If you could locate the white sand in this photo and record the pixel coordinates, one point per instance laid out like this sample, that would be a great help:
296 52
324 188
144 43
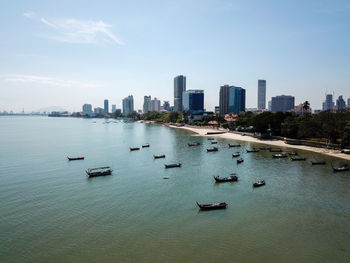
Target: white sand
276 143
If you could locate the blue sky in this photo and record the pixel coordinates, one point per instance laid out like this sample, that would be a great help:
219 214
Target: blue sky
66 53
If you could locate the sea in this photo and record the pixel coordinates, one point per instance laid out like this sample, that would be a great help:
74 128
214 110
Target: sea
50 211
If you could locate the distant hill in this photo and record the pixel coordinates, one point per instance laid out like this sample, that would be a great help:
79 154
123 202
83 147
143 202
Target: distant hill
51 109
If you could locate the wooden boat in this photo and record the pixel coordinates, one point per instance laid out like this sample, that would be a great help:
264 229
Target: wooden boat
318 162
280 155
259 183
173 165
292 153
298 159
194 144
210 139
252 151
75 158
159 156
240 160
134 148
212 206
344 168
275 150
234 145
165 177
231 178
99 171
234 155
145 145
214 149
214 142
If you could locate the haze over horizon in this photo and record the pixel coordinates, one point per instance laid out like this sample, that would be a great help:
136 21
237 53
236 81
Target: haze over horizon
69 53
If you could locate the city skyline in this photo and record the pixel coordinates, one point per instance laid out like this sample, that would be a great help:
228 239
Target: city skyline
113 50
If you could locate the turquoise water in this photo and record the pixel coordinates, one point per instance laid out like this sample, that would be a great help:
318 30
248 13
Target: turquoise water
51 212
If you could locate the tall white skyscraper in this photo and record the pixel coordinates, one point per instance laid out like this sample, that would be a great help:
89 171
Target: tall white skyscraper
147 104
128 105
261 94
114 108
155 104
179 88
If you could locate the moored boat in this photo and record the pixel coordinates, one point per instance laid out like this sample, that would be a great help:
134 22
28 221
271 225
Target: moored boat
259 183
292 153
318 162
237 154
240 160
298 159
134 148
252 151
99 171
275 150
231 178
75 158
194 144
210 139
213 149
280 155
214 142
343 168
212 206
233 145
145 145
173 165
159 156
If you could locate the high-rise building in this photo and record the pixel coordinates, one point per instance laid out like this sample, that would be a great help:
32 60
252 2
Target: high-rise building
155 104
261 94
166 106
193 101
98 111
106 107
269 105
179 88
128 105
114 108
232 99
87 109
282 103
328 104
216 109
348 105
341 103
147 104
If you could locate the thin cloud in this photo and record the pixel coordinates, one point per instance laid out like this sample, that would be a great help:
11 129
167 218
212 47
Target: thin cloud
48 81
79 31
29 15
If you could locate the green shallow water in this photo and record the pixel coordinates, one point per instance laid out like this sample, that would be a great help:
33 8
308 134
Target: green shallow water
50 211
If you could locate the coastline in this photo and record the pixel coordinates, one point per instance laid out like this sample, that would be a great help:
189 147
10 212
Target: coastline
276 143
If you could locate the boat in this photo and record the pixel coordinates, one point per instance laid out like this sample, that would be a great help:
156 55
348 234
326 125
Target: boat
298 159
212 206
318 162
214 142
240 160
134 148
263 148
214 149
259 183
99 171
173 165
194 144
233 145
343 168
292 153
275 150
234 155
280 155
252 151
165 177
231 178
145 145
210 139
75 158
159 156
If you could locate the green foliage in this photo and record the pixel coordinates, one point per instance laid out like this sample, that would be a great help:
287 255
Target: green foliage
346 135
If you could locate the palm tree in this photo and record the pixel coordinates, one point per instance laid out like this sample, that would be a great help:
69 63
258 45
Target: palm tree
306 106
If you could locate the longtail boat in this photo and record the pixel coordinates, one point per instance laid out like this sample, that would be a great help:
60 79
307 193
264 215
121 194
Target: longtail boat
210 139
233 145
252 151
298 159
237 154
292 153
134 148
280 155
145 145
259 183
159 156
344 168
75 158
99 171
212 206
214 142
240 160
318 162
214 149
173 165
231 178
194 144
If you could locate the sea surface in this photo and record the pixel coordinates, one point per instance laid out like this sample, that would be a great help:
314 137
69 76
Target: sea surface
51 212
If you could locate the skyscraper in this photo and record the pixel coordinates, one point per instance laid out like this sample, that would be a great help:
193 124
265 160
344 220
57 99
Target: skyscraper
282 103
128 105
328 104
193 101
106 107
341 103
348 103
179 88
155 104
114 108
166 105
87 109
147 104
261 94
232 99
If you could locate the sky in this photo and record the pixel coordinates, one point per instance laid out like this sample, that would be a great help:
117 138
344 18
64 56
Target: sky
66 53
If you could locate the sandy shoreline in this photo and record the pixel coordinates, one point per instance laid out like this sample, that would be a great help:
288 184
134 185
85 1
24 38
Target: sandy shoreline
276 143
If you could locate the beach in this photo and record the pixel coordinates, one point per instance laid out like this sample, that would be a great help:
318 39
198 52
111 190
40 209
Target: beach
276 143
